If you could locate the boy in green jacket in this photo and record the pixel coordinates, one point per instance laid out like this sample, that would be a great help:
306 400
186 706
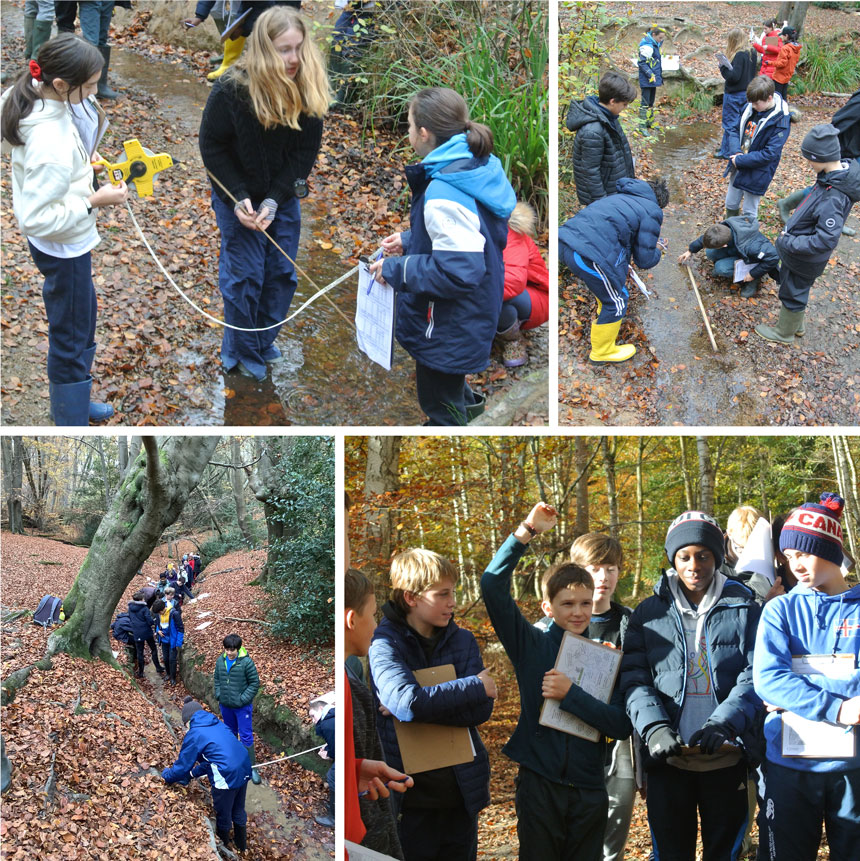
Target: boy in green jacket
236 685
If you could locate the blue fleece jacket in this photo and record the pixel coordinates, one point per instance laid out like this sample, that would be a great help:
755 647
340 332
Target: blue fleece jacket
806 622
450 279
555 755
210 748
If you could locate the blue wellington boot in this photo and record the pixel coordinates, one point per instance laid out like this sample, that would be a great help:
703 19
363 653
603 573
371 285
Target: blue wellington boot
98 412
70 403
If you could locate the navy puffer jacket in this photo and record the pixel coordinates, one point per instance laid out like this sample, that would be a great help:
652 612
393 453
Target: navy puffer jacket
141 620
757 166
601 154
612 230
451 278
394 654
654 667
650 62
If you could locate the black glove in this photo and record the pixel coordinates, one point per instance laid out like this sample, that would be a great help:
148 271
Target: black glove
711 737
664 742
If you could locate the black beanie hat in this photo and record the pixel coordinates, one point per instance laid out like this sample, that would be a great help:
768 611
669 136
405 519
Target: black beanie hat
821 143
814 528
695 527
190 706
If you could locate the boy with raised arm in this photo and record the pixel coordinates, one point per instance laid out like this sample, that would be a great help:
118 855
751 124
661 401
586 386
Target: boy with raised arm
561 797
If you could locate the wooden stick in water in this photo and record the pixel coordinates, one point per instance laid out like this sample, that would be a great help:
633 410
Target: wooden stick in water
702 309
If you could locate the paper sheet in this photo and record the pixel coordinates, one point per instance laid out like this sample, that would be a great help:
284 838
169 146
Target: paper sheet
742 269
819 739
374 319
671 62
204 625
594 668
757 554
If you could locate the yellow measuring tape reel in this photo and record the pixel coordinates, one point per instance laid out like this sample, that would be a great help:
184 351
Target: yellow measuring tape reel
140 167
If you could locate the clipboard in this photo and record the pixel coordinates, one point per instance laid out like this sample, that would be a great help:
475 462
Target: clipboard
230 29
425 746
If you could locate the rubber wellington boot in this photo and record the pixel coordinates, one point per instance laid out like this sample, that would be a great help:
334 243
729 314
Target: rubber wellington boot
232 52
28 37
801 329
514 349
240 836
41 34
98 412
104 91
255 776
787 204
70 403
731 213
785 329
603 346
643 121
750 288
475 409
224 836
848 231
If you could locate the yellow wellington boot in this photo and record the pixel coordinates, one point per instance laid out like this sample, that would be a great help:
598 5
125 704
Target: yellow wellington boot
603 346
232 51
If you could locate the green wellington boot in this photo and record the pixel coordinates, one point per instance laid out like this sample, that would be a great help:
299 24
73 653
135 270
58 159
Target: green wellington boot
41 34
789 203
731 213
801 329
785 329
28 37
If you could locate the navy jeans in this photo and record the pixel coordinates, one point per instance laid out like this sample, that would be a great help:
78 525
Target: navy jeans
229 807
95 21
723 260
257 282
443 397
733 107
71 308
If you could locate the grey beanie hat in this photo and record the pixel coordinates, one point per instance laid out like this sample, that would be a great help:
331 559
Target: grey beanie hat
822 143
189 707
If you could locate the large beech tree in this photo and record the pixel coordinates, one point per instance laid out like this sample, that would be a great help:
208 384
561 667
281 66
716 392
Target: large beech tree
153 494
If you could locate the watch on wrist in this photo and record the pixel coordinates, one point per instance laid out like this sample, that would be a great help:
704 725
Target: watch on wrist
529 528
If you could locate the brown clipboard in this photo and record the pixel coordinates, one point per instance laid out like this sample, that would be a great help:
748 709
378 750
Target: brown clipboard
424 746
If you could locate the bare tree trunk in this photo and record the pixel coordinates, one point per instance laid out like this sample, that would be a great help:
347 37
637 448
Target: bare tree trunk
640 513
381 476
847 480
608 452
238 485
122 447
151 498
794 13
706 476
100 450
581 459
13 477
688 482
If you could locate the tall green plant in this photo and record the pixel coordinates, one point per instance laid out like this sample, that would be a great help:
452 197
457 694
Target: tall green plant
827 65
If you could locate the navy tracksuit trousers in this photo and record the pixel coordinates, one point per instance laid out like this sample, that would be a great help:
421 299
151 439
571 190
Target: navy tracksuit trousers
257 282
613 299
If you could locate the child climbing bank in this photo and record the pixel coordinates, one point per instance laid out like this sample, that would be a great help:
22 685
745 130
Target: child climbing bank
51 122
448 271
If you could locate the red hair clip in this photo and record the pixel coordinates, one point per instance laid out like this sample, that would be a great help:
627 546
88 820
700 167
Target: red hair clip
35 70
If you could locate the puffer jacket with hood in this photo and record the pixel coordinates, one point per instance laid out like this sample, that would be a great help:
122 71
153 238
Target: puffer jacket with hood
756 166
807 622
749 242
141 620
601 154
52 176
611 230
236 687
814 229
847 121
450 278
654 666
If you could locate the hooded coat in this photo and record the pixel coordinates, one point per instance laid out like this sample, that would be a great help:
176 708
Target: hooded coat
601 154
612 230
450 278
785 62
756 167
769 53
806 622
750 243
140 619
395 653
814 229
210 748
236 687
650 62
847 120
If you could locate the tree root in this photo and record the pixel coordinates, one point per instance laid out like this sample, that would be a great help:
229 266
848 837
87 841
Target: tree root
217 846
13 683
50 787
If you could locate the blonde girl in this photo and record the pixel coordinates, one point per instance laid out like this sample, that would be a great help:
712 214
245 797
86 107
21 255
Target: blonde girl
744 65
260 136
47 116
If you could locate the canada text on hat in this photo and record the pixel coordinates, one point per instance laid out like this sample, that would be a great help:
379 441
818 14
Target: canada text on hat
813 523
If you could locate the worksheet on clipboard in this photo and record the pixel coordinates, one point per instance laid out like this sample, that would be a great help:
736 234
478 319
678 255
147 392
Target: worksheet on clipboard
374 318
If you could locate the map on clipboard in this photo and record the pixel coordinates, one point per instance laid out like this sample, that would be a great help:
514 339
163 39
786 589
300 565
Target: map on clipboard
374 318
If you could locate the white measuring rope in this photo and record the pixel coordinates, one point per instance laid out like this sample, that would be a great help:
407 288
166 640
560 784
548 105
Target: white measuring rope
291 756
206 314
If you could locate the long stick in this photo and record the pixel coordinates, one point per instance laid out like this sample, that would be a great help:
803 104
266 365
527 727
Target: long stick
702 309
291 756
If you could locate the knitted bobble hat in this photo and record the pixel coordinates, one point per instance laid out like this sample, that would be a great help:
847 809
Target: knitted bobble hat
695 527
189 707
814 528
821 143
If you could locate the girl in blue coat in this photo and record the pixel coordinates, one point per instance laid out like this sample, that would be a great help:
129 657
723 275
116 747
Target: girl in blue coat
687 678
650 74
597 245
449 274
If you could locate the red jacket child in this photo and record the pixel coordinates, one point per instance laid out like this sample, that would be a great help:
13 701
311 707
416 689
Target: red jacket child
769 53
524 267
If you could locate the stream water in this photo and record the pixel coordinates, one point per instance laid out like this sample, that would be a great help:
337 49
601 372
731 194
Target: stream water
695 386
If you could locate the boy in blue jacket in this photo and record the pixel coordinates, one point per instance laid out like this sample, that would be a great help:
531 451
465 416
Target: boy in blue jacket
650 74
737 238
687 678
812 233
820 616
597 245
763 130
561 797
209 748
439 814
